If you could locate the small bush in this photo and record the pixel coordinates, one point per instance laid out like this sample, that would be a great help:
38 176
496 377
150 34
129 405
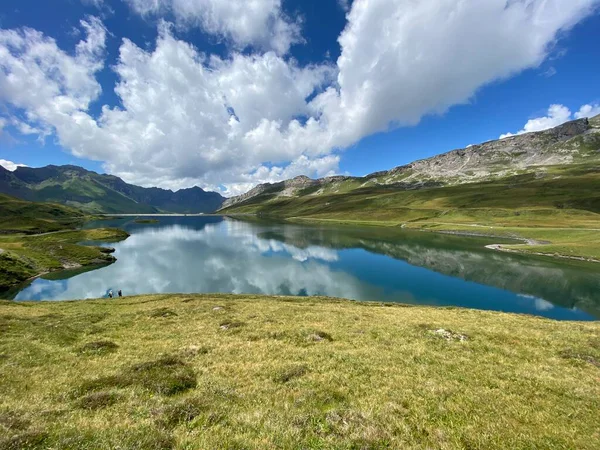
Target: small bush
183 411
31 439
165 376
98 400
572 354
13 420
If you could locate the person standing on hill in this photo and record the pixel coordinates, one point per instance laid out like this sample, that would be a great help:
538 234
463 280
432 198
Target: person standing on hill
120 293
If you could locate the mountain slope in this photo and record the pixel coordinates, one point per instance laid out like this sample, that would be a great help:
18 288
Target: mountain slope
20 216
92 192
573 143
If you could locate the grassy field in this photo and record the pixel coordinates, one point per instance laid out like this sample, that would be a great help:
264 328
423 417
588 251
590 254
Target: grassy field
252 372
561 206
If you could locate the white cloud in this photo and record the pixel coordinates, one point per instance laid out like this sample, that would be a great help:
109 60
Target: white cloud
48 84
550 72
587 111
557 115
260 23
97 3
188 118
9 165
344 4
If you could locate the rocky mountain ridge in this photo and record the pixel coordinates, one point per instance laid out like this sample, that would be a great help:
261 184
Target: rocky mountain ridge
569 143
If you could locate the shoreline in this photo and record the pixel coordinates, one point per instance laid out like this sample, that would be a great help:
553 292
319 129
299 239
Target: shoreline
526 241
499 248
43 254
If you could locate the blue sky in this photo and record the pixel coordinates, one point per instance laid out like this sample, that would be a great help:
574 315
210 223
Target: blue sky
218 96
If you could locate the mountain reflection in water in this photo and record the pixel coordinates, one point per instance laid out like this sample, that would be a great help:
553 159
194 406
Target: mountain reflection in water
212 254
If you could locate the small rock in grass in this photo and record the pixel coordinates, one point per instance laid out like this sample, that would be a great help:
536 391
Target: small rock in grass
230 325
450 335
319 336
162 312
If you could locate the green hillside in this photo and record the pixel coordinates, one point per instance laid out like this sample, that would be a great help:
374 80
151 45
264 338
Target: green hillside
569 193
38 238
19 216
520 206
96 193
541 188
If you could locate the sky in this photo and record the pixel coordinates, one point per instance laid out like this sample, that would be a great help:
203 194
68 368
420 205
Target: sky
228 94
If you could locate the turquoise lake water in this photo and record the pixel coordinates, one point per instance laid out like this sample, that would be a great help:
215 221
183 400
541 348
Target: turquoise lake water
214 254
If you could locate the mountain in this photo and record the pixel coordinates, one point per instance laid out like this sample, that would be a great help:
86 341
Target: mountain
570 144
92 192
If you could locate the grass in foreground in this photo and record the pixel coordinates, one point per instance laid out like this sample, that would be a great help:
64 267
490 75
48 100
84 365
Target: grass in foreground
222 371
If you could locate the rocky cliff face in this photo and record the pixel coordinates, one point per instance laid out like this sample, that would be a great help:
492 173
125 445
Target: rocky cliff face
561 145
572 142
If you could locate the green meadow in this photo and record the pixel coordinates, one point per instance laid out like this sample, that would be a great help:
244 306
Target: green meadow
254 372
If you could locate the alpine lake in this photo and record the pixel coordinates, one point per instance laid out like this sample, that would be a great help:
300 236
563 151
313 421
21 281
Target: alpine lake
212 254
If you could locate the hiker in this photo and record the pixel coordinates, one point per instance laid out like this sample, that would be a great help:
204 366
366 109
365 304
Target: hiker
110 294
120 293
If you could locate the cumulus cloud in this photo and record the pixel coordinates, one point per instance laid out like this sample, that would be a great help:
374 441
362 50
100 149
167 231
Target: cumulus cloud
557 115
187 118
49 85
260 23
9 165
588 111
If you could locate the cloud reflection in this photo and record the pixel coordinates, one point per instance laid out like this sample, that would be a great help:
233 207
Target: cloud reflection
224 257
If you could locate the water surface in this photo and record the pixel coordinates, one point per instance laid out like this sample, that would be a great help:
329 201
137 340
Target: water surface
214 254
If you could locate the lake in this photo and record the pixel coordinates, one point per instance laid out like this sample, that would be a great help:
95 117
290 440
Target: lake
216 254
